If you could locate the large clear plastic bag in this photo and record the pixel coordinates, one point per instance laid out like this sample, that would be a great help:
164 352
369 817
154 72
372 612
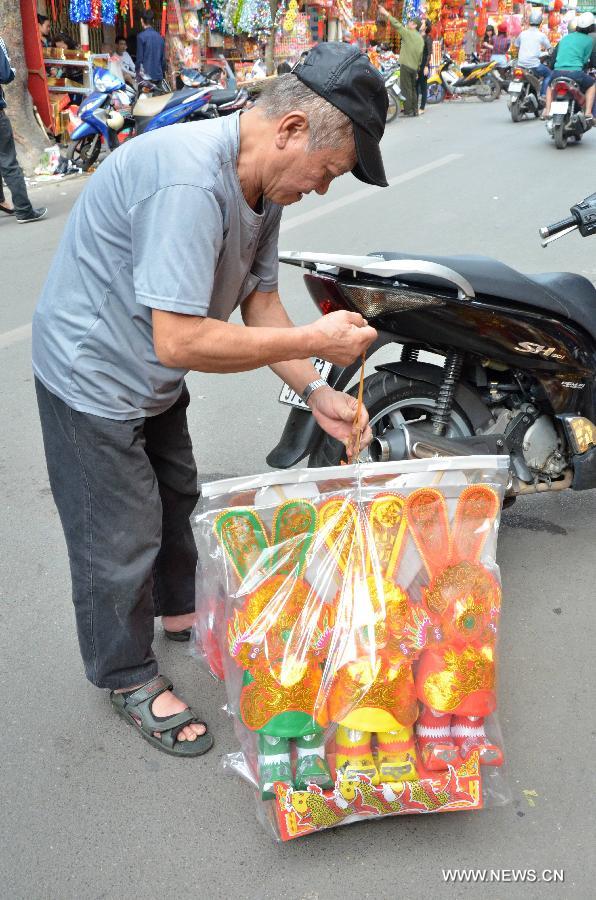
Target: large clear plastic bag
353 614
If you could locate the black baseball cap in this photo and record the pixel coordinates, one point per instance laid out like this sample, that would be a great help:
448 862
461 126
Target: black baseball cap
346 78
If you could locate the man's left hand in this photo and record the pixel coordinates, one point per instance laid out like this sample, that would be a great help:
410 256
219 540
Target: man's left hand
335 413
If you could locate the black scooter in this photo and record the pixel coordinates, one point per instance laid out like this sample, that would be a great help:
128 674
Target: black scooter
524 94
518 370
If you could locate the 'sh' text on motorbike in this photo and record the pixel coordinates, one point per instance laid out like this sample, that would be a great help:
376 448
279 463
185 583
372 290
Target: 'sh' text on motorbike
518 375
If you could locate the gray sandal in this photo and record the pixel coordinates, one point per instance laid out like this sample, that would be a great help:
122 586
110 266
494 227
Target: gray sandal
138 703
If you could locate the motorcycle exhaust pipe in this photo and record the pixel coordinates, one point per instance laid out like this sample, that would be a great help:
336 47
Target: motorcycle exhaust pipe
411 443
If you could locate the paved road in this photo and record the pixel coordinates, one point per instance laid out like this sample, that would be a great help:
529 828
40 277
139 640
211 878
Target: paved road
89 811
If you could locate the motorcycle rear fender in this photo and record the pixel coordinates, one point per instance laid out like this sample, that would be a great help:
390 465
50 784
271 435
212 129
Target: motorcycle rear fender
302 435
83 130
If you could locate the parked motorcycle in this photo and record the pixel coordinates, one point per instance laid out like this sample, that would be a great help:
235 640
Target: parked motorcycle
394 93
567 118
114 107
519 369
474 79
524 94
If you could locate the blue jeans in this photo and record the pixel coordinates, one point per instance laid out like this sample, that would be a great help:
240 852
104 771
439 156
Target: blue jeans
584 80
125 492
545 73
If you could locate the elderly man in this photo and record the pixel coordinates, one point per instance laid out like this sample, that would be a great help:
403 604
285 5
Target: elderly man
176 230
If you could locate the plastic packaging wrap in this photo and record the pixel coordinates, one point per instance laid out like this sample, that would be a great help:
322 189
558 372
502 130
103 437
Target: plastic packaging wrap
353 614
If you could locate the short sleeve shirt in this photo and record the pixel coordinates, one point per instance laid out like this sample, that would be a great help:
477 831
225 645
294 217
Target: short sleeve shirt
163 224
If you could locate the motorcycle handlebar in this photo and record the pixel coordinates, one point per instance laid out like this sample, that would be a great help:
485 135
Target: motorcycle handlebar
550 230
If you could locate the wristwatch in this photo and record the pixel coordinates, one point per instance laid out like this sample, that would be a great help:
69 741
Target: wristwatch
311 388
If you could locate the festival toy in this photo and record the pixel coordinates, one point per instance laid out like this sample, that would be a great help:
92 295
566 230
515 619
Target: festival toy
457 626
373 689
276 638
352 613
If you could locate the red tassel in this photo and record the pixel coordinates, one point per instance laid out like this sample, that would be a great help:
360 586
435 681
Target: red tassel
132 18
164 7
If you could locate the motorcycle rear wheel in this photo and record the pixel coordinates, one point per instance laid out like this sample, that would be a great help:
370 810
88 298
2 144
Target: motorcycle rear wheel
84 153
393 108
436 93
516 113
560 136
390 403
494 89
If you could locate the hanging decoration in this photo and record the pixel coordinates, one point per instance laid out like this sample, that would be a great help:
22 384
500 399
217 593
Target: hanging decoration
79 10
217 15
411 10
255 19
290 16
108 12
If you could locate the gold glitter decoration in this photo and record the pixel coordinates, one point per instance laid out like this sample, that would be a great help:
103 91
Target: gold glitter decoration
338 519
478 505
243 537
293 530
265 698
428 521
357 686
463 587
388 525
464 673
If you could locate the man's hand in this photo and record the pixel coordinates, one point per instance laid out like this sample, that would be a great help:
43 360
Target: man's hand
341 337
381 11
335 412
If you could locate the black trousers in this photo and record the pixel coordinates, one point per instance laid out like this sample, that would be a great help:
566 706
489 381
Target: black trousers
407 83
422 88
10 170
125 492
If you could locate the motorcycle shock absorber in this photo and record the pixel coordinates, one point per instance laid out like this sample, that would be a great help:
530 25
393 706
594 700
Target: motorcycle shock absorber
409 353
451 373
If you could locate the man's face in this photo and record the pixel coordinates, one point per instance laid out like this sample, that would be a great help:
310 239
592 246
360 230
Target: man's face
412 25
296 170
120 47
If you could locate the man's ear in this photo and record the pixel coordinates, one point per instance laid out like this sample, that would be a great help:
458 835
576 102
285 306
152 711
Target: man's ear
291 126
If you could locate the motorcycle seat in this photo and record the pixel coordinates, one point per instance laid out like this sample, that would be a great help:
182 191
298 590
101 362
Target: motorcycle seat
469 67
147 106
563 294
220 98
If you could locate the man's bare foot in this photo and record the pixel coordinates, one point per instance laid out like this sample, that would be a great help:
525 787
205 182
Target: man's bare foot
167 704
178 623
7 206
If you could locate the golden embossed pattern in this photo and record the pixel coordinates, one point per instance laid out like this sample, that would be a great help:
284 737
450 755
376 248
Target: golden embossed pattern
471 670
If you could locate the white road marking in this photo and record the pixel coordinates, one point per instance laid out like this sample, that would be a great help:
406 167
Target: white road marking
20 334
366 192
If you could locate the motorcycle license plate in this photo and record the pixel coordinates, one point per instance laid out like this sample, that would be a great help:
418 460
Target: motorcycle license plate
515 87
291 398
559 107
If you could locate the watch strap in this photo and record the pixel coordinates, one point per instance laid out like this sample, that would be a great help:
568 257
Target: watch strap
311 388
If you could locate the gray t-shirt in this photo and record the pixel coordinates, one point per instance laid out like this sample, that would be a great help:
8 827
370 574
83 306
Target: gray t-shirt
163 224
531 42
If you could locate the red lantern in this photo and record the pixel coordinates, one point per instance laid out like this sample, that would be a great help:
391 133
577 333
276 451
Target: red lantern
558 5
553 19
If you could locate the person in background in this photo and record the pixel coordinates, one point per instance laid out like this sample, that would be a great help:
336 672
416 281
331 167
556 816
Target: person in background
125 59
44 25
63 41
531 43
151 60
487 44
573 54
410 57
422 82
501 45
10 170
